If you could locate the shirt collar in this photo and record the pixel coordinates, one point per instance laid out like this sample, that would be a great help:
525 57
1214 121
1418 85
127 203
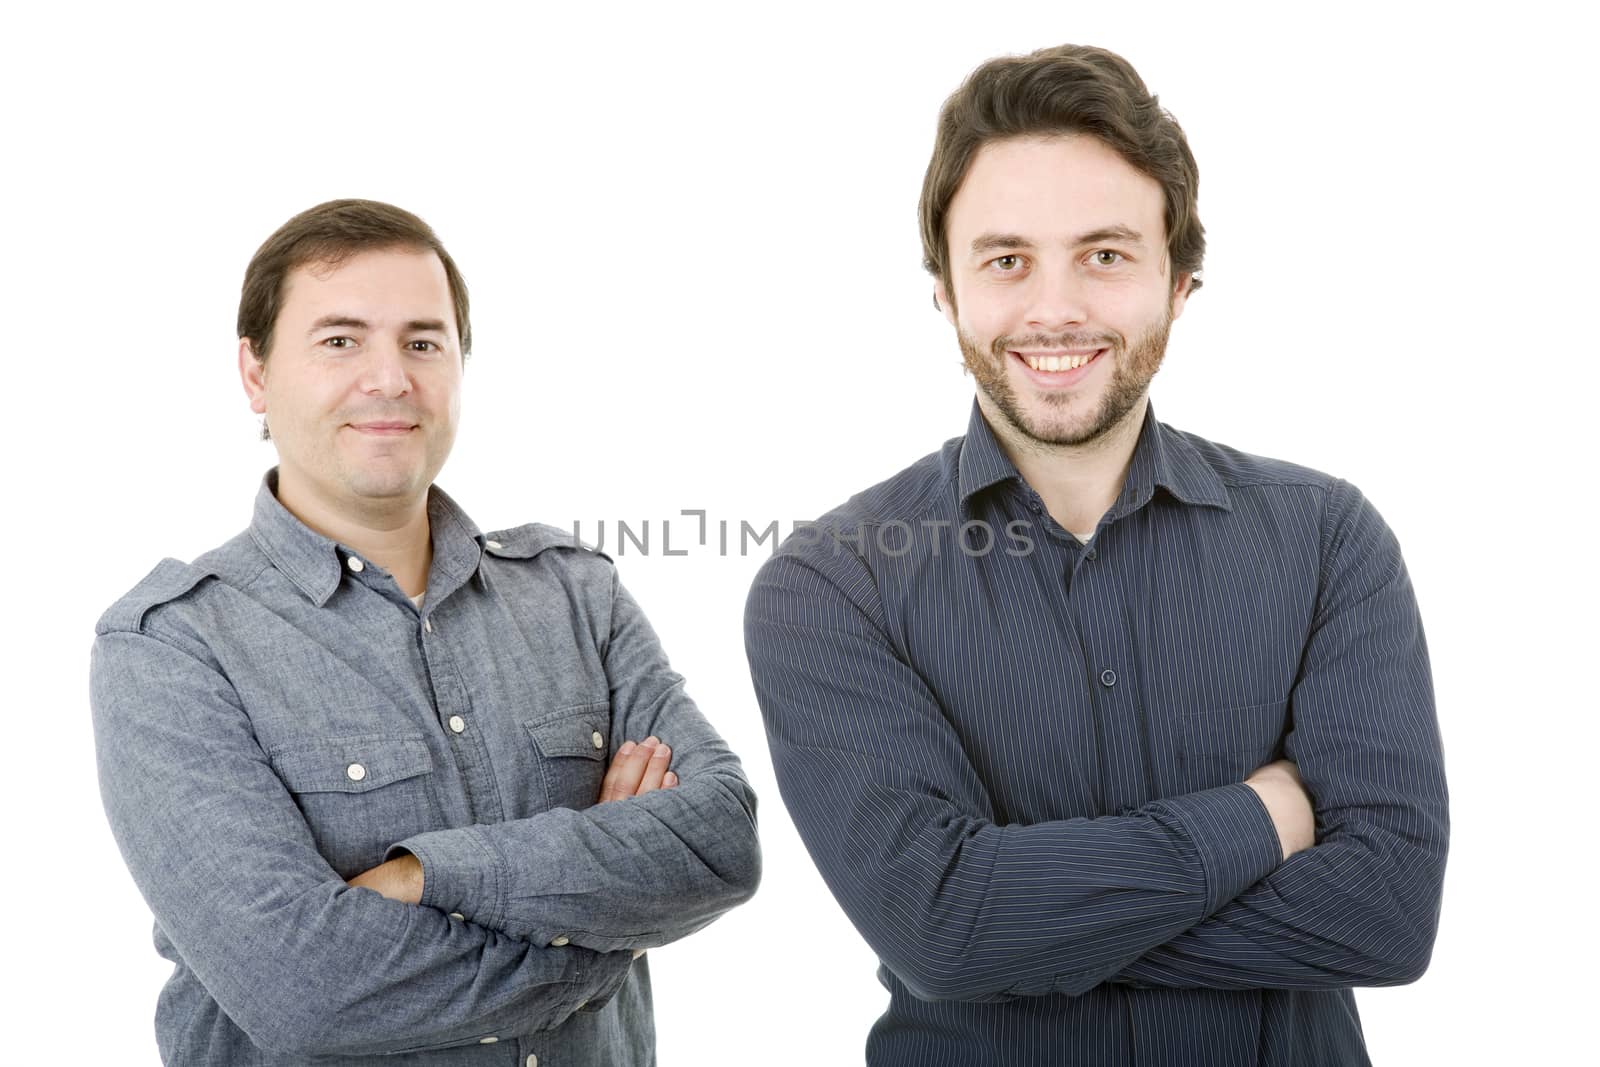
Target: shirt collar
1162 456
315 564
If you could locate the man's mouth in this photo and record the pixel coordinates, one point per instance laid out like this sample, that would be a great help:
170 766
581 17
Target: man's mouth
1057 362
388 429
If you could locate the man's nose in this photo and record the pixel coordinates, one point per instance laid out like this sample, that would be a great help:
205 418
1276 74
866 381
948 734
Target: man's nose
385 372
1057 299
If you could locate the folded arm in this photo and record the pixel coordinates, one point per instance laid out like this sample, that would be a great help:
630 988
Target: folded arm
301 962
1362 906
898 822
633 874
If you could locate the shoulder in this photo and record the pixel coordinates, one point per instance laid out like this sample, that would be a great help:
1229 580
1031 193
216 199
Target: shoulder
1241 470
547 547
1334 508
171 580
534 539
828 557
905 497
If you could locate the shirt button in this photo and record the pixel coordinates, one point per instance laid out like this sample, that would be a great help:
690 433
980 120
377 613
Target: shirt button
427 626
458 916
581 1004
1108 678
487 1040
494 544
533 1061
355 772
560 942
356 565
457 724
597 740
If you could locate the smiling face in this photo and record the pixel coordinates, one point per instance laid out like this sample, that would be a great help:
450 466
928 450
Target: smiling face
1062 293
362 386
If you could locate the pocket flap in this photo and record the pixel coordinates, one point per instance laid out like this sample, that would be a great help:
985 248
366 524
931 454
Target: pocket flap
581 730
350 764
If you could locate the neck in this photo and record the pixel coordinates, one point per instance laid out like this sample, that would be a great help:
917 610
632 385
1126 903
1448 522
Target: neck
1078 483
393 533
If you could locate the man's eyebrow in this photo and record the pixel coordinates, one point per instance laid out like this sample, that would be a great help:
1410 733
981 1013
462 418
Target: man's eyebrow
988 242
1110 233
338 320
353 323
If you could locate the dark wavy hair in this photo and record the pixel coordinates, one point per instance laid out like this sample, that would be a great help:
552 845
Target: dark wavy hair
331 233
1069 89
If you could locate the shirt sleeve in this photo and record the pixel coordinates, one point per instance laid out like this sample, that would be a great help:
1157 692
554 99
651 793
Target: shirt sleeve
897 820
627 874
1361 907
301 962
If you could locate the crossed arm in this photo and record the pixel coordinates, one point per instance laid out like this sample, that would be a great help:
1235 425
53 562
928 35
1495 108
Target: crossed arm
306 964
1222 887
636 872
636 769
299 961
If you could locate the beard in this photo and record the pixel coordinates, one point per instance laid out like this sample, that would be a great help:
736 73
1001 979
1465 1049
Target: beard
1132 369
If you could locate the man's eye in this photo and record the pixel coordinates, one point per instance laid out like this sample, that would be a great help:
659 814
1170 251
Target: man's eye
424 346
1107 258
339 342
1008 263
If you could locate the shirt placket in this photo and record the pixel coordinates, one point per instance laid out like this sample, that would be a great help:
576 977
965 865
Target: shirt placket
1098 599
463 733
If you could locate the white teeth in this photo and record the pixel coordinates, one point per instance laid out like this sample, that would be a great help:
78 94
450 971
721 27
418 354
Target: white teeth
1057 363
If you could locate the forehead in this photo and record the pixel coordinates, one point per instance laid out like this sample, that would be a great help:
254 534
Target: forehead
397 283
1049 187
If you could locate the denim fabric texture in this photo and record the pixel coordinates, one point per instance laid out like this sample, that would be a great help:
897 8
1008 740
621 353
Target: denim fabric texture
278 716
1017 758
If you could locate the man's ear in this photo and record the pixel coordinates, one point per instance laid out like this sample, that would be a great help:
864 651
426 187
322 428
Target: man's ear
1180 293
941 300
253 375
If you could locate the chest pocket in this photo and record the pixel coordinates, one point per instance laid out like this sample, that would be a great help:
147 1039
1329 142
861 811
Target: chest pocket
1223 746
574 744
359 794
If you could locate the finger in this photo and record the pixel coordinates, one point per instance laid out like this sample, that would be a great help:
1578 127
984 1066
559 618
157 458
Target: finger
608 783
626 770
669 780
657 770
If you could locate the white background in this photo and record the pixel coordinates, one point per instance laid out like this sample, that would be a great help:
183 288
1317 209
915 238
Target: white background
691 241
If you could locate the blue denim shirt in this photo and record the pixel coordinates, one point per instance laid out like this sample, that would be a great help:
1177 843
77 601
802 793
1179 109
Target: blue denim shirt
1017 760
277 716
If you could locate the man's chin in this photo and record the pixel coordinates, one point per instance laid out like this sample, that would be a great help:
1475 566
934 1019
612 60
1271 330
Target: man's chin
386 485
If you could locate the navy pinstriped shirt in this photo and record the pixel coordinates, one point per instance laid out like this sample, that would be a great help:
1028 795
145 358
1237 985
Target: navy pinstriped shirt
1017 760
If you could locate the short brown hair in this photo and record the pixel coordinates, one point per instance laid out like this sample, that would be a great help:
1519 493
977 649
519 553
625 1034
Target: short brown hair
1069 89
331 233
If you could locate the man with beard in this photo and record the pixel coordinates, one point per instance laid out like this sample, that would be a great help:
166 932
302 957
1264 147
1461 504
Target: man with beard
1117 745
397 790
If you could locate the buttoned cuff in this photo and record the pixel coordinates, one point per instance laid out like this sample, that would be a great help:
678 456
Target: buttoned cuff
461 874
1233 836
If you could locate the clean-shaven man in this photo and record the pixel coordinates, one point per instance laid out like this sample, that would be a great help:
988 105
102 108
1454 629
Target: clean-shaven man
1117 745
397 790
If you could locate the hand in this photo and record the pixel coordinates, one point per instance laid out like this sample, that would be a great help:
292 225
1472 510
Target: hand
1281 790
637 770
398 879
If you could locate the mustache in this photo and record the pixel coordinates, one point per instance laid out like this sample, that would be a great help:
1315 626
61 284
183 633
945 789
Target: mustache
1057 340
